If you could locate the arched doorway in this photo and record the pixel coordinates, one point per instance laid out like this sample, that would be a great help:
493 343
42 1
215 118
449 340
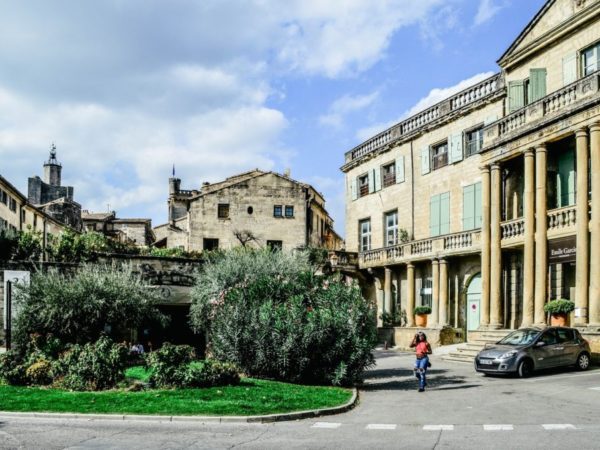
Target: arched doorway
474 303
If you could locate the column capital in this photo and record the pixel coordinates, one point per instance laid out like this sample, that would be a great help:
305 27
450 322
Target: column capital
410 265
485 168
540 148
495 166
529 152
434 261
595 127
442 261
581 132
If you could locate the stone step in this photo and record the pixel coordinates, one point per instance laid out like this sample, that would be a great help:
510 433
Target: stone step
458 357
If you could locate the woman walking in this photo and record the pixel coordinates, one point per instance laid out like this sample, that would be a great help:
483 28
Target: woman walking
422 349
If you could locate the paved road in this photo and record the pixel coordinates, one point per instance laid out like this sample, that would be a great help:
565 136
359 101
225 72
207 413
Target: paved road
460 409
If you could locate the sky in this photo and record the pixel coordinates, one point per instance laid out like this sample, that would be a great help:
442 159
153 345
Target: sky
128 88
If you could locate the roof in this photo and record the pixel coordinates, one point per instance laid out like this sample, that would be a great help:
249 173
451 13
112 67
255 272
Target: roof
145 221
96 216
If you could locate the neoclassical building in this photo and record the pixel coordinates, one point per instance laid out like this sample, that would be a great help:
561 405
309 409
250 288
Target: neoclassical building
487 205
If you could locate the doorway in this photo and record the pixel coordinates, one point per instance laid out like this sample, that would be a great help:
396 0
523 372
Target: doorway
474 303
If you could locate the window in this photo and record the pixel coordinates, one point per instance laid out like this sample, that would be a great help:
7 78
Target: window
250 210
364 231
439 155
363 185
524 92
275 245
566 179
439 214
590 60
3 197
391 228
223 211
277 211
289 211
426 291
472 207
13 204
210 244
34 220
23 216
389 174
473 141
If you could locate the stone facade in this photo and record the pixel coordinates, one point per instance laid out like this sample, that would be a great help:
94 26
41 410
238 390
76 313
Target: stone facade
132 231
255 209
477 230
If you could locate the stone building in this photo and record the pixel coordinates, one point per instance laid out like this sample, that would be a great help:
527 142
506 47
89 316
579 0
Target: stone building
128 231
487 204
53 198
18 214
255 209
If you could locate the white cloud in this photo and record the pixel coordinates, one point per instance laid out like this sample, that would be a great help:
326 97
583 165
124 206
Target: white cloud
436 95
487 10
346 105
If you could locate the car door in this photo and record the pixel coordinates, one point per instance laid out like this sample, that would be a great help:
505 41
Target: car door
566 340
547 352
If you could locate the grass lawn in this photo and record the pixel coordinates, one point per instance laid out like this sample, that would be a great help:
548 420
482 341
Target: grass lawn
250 397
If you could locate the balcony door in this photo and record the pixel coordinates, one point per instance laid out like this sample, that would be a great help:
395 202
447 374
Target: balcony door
474 303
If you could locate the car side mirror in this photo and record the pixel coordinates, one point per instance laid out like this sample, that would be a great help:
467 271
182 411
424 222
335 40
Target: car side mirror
540 344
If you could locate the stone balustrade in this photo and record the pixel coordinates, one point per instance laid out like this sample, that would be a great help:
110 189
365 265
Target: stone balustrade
439 111
458 241
512 229
561 218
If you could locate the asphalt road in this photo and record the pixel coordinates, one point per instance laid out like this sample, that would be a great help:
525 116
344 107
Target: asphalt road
460 409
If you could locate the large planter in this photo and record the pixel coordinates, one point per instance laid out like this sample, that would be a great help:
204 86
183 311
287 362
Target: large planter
558 320
421 320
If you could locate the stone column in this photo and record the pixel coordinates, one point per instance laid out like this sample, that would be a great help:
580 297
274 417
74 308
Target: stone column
485 247
541 238
594 299
582 221
529 246
435 293
410 291
443 308
387 291
495 249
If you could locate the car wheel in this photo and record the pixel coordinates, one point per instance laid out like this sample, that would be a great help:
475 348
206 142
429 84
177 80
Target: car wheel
583 361
525 368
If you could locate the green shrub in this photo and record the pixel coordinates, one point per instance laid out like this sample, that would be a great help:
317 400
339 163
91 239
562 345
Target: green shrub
271 315
75 308
422 310
40 372
91 367
12 368
9 241
168 365
560 306
211 373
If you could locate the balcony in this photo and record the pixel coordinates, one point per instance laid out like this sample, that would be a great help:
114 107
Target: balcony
435 113
463 243
561 222
579 94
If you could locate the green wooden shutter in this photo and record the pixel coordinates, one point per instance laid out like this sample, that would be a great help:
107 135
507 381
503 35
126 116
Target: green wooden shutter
566 178
354 188
469 207
434 216
569 69
445 213
456 148
537 82
371 179
516 95
478 205
400 169
377 177
425 161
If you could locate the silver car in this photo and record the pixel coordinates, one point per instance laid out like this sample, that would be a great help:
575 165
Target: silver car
529 349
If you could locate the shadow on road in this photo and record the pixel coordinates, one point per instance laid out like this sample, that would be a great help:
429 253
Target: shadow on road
404 379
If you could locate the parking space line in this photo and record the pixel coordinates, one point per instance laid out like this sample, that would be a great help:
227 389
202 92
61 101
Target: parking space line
499 427
595 389
551 378
381 426
329 425
558 426
438 427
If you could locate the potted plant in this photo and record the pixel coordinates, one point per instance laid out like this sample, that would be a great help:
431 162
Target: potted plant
558 310
421 313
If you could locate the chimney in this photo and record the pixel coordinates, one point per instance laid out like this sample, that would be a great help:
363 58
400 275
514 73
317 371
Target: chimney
287 172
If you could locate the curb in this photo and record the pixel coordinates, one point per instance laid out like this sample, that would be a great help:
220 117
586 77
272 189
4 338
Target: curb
269 418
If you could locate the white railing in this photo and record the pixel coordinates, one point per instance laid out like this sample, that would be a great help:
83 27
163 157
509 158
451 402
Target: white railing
561 218
458 241
511 229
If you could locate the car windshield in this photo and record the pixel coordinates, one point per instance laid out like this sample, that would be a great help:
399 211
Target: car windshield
520 337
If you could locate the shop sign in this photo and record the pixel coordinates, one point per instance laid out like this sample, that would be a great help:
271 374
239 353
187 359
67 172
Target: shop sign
562 250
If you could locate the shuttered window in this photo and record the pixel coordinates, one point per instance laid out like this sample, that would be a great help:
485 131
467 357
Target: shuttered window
590 60
364 235
439 214
400 169
537 84
516 95
472 207
569 69
566 178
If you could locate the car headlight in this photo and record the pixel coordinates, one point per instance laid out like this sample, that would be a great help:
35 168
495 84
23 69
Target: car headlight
508 355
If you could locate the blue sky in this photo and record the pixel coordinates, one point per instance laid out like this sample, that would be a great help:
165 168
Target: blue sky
127 88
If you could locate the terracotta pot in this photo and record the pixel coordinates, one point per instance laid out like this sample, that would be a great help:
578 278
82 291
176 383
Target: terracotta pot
558 320
421 320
